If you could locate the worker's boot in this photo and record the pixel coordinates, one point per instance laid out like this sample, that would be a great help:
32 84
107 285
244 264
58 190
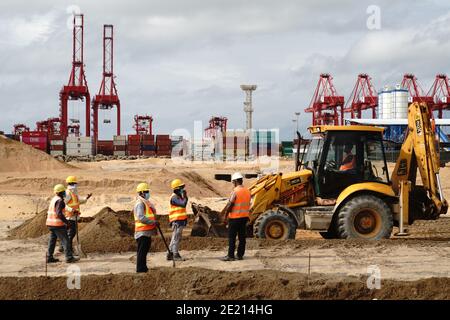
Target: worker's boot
177 257
169 256
52 260
227 258
72 260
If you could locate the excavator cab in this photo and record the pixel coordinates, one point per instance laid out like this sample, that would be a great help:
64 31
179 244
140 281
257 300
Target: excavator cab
341 156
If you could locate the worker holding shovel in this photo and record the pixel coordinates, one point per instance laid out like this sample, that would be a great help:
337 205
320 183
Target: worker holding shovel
145 225
72 213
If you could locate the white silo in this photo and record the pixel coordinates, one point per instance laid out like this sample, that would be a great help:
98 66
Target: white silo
400 103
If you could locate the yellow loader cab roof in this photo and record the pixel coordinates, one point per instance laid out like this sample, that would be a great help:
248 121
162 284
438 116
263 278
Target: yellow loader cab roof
325 128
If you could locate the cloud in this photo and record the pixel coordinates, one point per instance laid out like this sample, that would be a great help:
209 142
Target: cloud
184 60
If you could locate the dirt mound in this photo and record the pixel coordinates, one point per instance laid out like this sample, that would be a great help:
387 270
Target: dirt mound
16 156
197 283
31 228
113 232
110 231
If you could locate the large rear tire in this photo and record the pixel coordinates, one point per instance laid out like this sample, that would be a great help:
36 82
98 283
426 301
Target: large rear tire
365 217
275 225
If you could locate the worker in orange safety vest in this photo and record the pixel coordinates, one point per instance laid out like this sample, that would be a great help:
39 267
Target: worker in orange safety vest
177 218
72 212
57 225
145 225
349 161
237 212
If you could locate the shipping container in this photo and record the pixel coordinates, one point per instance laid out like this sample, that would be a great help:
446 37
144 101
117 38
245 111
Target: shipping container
133 152
148 153
72 139
56 147
148 148
120 148
120 138
56 152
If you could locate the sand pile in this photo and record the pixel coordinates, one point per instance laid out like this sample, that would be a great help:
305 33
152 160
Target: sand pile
16 156
197 283
31 228
35 227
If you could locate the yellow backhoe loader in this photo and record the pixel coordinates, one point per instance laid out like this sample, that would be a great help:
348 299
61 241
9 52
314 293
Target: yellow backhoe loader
341 186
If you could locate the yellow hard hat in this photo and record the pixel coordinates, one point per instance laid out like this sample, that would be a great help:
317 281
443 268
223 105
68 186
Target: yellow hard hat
176 183
71 179
142 187
59 188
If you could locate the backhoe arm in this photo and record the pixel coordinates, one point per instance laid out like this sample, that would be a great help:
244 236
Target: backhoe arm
419 151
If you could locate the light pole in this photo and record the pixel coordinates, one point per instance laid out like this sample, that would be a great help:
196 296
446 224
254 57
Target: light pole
296 127
297 114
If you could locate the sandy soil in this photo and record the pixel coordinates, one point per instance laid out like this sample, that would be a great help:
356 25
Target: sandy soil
339 269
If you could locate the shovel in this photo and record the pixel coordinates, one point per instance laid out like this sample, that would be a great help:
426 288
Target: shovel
79 250
165 242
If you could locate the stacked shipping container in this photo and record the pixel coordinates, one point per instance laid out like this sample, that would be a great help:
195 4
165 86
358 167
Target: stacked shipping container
56 145
134 145
105 147
79 146
163 145
148 145
120 145
36 139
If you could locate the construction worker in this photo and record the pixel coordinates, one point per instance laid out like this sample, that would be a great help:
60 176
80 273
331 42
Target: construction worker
237 212
177 218
349 161
144 225
73 202
57 225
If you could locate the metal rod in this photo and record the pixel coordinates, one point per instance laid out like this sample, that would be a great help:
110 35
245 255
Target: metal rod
165 243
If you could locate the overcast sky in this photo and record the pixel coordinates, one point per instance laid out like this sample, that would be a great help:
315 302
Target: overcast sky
183 60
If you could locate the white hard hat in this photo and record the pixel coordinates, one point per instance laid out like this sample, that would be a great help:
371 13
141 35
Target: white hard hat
236 176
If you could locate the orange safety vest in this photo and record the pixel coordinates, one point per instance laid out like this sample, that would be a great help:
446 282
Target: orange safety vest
74 203
52 217
176 213
348 165
241 205
138 225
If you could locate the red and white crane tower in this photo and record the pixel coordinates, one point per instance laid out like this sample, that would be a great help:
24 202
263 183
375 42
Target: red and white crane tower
19 128
363 97
216 124
143 124
107 97
440 93
77 88
416 92
326 105
52 126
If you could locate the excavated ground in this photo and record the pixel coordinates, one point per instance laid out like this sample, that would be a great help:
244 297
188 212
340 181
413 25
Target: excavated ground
196 283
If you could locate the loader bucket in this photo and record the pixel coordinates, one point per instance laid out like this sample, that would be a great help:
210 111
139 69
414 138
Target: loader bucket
208 223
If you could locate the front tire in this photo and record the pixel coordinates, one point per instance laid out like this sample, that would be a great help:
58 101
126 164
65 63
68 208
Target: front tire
365 217
274 225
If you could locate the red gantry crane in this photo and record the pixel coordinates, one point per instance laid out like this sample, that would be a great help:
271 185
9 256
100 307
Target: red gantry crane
216 124
107 97
416 92
19 128
143 124
325 103
77 88
363 97
440 93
